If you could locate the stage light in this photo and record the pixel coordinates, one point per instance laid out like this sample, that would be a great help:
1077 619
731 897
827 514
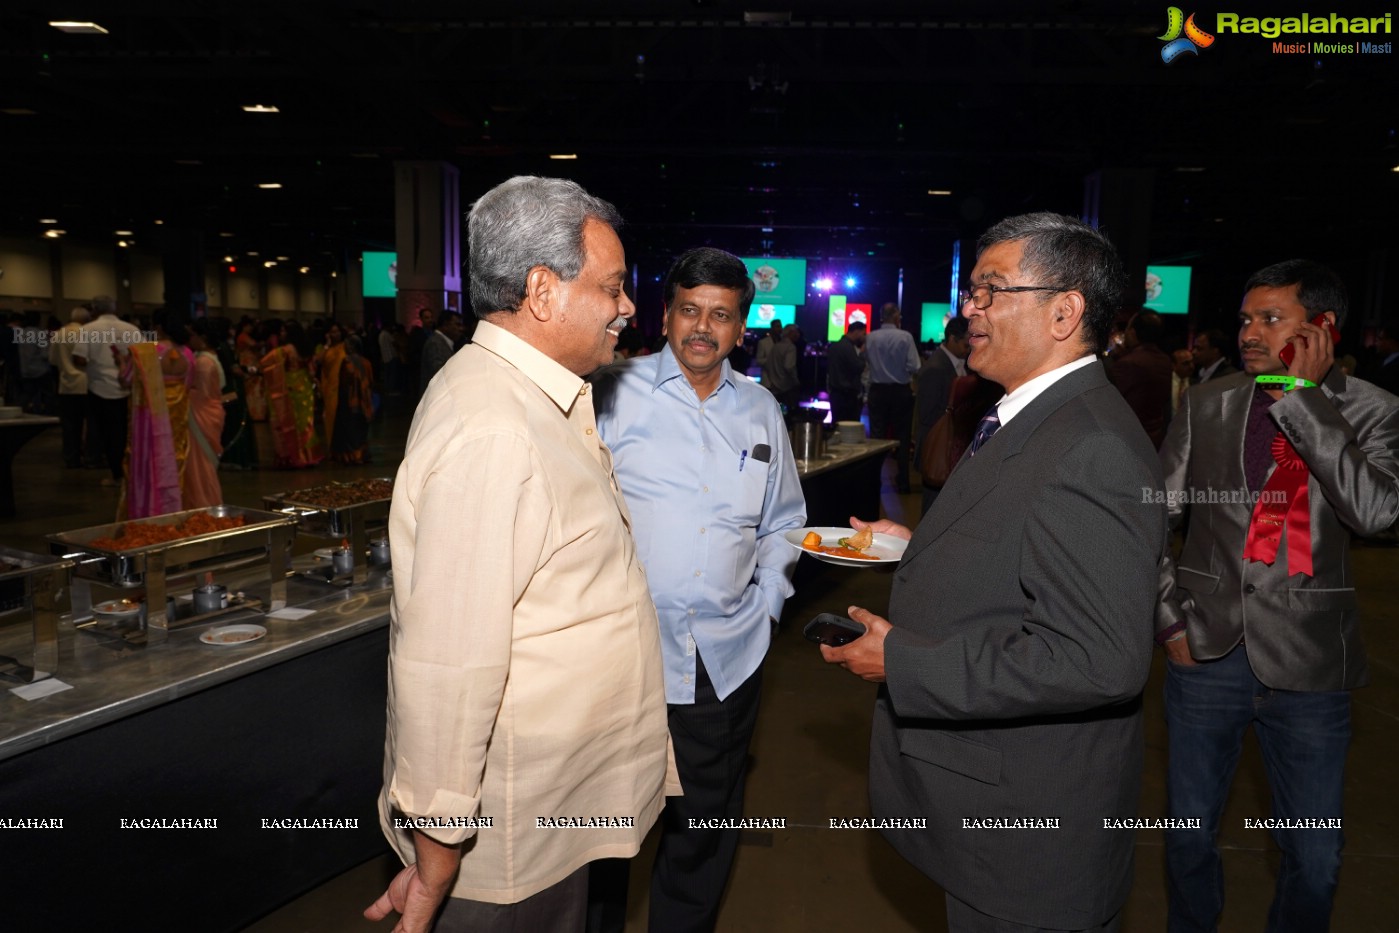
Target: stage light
850 281
823 284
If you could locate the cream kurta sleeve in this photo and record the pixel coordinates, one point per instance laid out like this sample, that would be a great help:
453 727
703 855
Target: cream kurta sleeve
477 543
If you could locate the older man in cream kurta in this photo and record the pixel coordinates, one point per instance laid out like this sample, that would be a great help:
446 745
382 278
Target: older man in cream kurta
527 719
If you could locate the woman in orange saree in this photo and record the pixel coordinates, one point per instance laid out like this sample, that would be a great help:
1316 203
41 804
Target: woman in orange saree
328 363
200 484
254 392
354 405
291 400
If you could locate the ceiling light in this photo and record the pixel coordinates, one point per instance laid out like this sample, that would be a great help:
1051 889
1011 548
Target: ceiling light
253 252
940 192
50 220
158 222
270 184
225 234
563 155
260 108
1395 169
305 269
269 264
18 111
54 234
121 232
228 259
283 258
63 25
121 243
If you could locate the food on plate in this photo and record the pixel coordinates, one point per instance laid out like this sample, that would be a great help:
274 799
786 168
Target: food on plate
812 542
859 540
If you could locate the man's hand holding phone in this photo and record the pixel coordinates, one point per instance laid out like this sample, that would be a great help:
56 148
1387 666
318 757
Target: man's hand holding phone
863 657
1310 352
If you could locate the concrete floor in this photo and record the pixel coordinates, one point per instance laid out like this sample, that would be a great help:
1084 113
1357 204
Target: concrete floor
809 754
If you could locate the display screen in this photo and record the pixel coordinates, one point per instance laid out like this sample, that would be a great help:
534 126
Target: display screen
842 314
1168 289
935 318
760 317
777 281
380 275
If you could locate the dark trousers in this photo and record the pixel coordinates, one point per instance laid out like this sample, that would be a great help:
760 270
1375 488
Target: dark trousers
72 415
891 415
711 752
1304 737
964 918
109 415
559 908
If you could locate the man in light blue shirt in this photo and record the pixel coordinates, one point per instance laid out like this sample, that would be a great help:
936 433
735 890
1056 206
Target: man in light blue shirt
892 355
707 471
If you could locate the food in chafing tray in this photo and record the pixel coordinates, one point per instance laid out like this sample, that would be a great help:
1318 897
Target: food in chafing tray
852 546
342 495
143 534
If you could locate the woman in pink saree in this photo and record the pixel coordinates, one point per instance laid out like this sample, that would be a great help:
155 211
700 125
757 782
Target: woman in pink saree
157 446
206 414
291 400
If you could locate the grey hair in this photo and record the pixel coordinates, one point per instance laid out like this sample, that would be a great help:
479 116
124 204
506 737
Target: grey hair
526 222
1066 253
104 304
79 315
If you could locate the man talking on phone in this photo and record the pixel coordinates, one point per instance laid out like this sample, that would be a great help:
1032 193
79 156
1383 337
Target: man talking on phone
1277 466
707 471
1010 716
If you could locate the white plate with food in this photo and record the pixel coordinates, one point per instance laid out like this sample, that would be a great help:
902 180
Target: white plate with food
846 546
227 635
115 610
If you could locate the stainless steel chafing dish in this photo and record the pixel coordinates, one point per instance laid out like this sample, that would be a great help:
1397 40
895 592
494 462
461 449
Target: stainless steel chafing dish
35 586
350 522
264 539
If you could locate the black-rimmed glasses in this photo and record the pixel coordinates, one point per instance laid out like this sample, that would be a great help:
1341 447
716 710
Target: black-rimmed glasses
982 295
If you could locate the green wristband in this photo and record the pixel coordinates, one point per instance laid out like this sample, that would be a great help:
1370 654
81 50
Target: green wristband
1288 383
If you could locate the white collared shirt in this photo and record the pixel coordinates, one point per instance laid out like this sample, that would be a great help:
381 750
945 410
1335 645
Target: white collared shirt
1011 404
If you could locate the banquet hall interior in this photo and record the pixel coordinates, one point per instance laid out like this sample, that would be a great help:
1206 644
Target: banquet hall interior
254 160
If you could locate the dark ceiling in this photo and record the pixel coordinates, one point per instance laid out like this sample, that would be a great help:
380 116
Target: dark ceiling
811 129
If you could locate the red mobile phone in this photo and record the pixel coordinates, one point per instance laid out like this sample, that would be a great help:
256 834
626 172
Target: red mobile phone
1290 351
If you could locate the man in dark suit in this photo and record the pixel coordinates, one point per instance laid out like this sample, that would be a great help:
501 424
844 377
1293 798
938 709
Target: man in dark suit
1259 615
1210 361
1010 716
934 393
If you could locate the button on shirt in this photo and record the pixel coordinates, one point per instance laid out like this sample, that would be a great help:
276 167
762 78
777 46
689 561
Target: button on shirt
707 513
892 355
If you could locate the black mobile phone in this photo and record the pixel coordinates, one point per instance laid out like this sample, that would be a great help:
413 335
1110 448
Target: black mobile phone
833 630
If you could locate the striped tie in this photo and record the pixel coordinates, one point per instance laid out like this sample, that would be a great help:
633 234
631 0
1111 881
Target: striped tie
990 423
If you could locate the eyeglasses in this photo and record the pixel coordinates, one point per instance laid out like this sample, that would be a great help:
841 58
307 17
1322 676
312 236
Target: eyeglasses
982 295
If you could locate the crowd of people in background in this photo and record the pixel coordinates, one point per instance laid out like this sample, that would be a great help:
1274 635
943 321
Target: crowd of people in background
162 403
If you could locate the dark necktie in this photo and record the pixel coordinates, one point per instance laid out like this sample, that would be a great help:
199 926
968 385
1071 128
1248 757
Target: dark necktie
990 423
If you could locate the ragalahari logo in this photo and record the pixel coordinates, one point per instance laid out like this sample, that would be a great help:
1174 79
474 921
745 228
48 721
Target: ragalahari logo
1176 44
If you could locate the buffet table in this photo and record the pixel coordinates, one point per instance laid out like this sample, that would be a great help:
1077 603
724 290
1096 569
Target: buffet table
844 482
164 785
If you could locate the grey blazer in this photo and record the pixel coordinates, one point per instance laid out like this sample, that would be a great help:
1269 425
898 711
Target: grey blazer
1023 613
1302 632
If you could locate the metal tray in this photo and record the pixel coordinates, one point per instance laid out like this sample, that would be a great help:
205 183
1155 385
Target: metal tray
255 521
